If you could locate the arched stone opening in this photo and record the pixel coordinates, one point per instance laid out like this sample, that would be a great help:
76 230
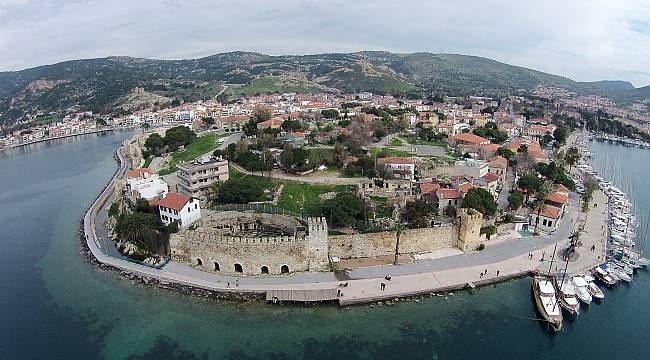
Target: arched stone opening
216 266
239 268
284 269
265 269
199 262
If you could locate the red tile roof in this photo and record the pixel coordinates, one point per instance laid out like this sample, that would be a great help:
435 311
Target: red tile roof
549 212
174 201
490 147
448 194
498 161
471 138
465 188
490 177
557 198
429 188
139 172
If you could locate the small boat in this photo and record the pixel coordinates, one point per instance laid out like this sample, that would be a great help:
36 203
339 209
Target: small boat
604 276
567 295
620 273
582 290
547 303
595 291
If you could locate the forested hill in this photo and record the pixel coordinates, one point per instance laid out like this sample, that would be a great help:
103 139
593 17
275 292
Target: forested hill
99 84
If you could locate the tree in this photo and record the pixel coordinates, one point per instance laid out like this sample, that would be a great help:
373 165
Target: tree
546 139
154 143
343 210
142 205
481 200
525 163
176 102
262 113
488 231
490 131
178 136
506 153
516 200
541 194
240 191
531 183
560 134
416 212
572 156
330 113
208 121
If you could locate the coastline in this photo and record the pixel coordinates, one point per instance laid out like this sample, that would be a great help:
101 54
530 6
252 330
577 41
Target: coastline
96 131
363 288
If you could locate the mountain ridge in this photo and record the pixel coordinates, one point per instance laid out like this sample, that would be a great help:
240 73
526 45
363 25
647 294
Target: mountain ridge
97 83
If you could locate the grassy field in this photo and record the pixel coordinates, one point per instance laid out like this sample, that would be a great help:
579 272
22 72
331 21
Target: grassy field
294 193
390 152
201 145
396 142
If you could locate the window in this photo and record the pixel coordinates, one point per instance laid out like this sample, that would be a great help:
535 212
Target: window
239 268
550 223
189 209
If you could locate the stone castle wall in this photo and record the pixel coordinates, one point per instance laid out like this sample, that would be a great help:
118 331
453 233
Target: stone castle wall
383 243
211 247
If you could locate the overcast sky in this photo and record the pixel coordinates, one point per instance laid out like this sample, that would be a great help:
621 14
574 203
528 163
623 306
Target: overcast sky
584 40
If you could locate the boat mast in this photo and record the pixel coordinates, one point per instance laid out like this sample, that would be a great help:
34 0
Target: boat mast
552 258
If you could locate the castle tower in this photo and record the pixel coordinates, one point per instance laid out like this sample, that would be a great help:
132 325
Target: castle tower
317 244
469 229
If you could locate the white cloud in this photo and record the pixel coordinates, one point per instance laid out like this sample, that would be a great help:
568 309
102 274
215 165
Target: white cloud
584 40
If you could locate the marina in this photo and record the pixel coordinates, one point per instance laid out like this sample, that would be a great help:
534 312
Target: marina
623 251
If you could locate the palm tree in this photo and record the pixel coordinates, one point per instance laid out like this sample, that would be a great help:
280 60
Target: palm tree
541 194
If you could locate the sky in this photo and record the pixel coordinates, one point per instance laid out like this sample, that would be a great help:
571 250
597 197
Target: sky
583 40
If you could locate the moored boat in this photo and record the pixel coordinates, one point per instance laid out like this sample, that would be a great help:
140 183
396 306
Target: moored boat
546 302
567 295
582 291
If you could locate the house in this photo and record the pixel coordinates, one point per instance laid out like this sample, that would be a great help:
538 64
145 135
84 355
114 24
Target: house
142 183
557 200
428 191
296 138
541 130
448 198
498 165
231 123
488 150
411 118
401 167
179 208
546 219
489 182
272 123
470 167
468 142
197 177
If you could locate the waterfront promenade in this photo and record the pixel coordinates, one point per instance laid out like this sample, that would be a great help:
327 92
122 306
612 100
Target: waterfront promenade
498 262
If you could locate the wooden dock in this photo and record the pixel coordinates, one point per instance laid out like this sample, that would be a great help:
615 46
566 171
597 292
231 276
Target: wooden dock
303 295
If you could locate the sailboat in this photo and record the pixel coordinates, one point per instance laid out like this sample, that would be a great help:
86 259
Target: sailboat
546 301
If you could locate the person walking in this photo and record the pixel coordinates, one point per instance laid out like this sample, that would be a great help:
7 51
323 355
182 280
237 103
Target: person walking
498 273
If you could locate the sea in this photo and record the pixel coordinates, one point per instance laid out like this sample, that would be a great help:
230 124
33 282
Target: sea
55 305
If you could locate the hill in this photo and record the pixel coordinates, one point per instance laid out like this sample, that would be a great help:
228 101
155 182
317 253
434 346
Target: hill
99 84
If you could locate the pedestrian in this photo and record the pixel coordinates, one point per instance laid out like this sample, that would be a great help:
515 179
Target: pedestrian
498 273
481 275
228 284
236 283
338 293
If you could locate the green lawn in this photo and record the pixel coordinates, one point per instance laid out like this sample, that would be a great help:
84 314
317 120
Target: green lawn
294 192
201 145
147 161
390 152
396 142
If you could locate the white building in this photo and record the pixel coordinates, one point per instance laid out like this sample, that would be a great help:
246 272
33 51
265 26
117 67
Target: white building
472 168
402 168
142 183
182 209
545 219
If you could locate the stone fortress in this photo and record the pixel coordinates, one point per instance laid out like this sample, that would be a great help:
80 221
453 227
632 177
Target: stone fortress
249 243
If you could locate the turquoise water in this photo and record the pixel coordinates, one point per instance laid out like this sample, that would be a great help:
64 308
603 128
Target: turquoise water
54 305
